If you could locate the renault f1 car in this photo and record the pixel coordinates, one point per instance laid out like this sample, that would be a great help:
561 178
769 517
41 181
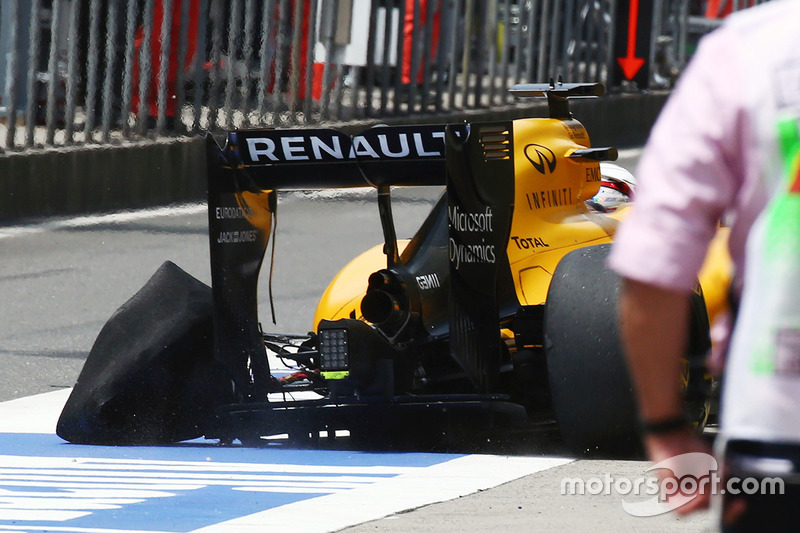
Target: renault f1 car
497 314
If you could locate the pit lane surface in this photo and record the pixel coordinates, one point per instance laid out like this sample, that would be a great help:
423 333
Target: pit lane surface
48 485
62 279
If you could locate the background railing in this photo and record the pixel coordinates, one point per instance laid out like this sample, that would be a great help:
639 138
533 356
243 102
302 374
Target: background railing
111 71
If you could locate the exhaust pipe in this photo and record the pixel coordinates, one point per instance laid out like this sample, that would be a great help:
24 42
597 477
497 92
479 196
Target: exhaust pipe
380 306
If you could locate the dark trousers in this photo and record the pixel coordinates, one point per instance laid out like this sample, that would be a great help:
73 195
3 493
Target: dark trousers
762 468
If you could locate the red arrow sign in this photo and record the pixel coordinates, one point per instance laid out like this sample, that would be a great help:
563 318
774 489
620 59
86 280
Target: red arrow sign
630 63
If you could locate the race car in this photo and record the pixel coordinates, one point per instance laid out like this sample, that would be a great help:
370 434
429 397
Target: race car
499 314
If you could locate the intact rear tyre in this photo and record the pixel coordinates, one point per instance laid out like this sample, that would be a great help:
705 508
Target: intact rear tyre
590 387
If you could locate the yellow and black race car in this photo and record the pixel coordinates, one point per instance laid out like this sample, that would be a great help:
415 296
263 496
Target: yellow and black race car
499 313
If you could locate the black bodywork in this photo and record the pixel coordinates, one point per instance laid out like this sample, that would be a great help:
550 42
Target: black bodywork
386 378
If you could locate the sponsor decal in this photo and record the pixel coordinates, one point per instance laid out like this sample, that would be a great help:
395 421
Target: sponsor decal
234 237
593 174
475 224
222 213
285 147
295 148
541 157
575 131
428 281
470 222
529 243
549 198
471 253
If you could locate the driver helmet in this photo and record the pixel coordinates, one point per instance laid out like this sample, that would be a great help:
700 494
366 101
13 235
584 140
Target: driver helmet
617 188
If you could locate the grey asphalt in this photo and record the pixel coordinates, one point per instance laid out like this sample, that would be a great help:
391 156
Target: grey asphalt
536 503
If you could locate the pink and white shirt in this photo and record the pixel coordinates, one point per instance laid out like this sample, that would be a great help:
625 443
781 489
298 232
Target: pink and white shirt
714 153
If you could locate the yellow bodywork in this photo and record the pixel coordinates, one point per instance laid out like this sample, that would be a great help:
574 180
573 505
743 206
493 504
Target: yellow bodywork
550 217
342 298
716 275
550 220
257 207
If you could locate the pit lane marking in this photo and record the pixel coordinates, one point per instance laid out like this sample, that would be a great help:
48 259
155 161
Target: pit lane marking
48 485
86 221
438 483
120 217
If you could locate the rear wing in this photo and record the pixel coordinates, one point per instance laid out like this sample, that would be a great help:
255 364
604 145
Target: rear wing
324 158
475 162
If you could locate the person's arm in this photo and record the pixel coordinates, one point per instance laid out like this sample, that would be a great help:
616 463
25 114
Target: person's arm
654 331
654 324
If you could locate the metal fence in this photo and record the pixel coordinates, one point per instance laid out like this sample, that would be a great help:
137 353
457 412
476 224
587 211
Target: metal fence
108 71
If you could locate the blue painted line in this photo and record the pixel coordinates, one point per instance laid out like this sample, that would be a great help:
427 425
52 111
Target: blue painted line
53 446
46 483
186 511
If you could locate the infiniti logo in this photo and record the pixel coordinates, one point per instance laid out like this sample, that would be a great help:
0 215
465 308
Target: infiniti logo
540 155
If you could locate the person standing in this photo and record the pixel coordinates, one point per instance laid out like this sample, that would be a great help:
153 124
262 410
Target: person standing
725 146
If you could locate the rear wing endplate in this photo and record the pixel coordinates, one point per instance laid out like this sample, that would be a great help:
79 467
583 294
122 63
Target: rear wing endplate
475 162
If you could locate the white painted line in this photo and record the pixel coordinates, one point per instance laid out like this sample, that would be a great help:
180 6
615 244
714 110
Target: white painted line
87 221
96 220
442 482
90 484
34 414
66 529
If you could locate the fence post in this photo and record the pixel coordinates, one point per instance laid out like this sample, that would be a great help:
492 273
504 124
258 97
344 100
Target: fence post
13 20
34 34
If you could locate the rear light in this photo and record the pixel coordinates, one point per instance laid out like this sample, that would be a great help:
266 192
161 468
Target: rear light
334 353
